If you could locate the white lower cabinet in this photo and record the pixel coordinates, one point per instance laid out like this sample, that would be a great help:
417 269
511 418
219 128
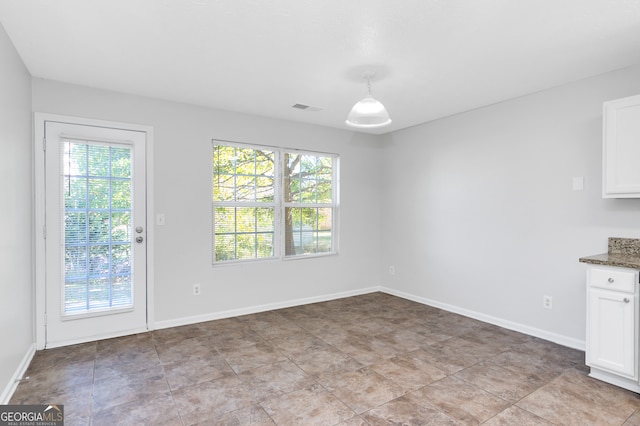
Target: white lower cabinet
612 332
612 326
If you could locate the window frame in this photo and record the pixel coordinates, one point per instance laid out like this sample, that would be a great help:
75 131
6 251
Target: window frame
279 204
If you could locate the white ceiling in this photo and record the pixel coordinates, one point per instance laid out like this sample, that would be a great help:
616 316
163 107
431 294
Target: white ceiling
433 58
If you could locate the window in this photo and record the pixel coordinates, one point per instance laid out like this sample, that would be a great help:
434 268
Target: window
272 203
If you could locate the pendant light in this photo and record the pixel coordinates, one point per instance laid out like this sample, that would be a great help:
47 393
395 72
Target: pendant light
368 113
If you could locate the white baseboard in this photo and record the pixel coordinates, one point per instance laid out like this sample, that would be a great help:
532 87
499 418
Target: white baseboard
95 337
531 331
8 391
260 308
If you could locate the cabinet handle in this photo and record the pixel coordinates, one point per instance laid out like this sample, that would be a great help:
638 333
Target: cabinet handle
611 280
626 300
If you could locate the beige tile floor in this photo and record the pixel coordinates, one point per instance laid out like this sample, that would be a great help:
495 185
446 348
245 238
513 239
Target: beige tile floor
367 360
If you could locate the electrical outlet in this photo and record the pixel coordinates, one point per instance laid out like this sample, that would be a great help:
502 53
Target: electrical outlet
392 270
547 302
196 289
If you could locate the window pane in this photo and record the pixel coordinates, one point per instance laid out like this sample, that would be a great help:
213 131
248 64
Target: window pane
265 163
75 189
245 160
264 189
324 191
308 217
225 247
265 245
307 165
223 187
120 255
75 228
121 227
308 178
291 177
74 159
99 293
292 189
121 290
325 168
308 190
99 160
75 262
265 220
98 227
98 260
75 295
98 193
324 219
243 233
121 162
324 242
245 220
121 194
224 220
245 188
246 246
223 159
308 231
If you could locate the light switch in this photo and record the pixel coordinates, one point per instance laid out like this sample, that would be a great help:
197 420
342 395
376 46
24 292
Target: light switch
578 183
160 219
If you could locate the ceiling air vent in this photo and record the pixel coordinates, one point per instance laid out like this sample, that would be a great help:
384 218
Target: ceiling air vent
306 107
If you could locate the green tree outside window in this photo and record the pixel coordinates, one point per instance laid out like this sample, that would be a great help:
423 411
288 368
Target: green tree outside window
247 202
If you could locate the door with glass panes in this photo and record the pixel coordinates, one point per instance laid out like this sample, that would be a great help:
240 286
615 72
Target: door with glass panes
95 247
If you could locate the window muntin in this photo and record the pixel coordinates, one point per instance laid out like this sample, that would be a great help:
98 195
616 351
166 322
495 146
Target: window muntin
272 203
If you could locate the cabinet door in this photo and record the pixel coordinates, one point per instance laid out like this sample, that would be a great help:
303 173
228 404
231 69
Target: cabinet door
611 332
621 148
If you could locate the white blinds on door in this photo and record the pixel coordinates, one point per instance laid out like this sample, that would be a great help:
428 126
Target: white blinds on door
96 178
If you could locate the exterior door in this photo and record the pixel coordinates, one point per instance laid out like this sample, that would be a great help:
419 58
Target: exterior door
95 232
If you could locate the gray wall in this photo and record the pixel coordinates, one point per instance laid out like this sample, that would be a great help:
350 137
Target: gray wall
182 181
480 215
16 305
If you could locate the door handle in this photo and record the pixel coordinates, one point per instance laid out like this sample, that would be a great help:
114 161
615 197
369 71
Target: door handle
139 239
139 229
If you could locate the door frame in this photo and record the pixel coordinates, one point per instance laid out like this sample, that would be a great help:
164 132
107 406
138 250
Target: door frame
40 214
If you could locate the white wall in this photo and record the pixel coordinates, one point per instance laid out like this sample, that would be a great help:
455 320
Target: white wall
16 306
481 216
182 182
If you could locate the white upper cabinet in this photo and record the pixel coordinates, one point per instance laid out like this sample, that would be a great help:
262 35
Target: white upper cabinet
621 148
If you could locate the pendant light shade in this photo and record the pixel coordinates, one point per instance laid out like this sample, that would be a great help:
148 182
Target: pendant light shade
369 113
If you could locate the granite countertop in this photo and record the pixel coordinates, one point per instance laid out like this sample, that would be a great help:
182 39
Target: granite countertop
622 252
